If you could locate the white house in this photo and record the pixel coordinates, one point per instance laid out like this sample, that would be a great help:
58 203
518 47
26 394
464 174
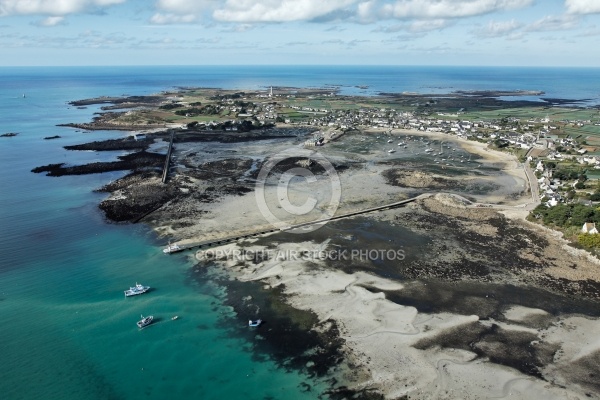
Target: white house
589 227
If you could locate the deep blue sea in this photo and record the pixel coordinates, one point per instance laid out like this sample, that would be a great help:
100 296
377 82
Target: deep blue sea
66 330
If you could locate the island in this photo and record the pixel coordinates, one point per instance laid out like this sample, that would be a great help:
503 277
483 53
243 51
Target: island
407 238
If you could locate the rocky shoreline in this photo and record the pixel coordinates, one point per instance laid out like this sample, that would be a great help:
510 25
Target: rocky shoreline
128 143
134 161
453 297
476 293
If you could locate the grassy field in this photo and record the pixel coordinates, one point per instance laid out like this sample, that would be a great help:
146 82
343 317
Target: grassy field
553 114
593 174
557 115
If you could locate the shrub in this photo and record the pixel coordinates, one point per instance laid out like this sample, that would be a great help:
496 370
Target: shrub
590 241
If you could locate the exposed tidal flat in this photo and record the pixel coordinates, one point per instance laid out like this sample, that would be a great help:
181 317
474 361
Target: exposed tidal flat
442 298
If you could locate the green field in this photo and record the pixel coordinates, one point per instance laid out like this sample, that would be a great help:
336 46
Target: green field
593 174
526 113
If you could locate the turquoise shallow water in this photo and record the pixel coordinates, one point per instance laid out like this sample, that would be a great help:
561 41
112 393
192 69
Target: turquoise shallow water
67 330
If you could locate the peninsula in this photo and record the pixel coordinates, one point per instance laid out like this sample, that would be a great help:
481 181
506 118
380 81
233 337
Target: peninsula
461 292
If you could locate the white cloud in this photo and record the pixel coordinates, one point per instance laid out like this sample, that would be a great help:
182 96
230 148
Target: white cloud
52 21
428 25
241 28
278 10
364 11
552 23
182 11
498 29
51 7
449 8
582 6
166 19
185 7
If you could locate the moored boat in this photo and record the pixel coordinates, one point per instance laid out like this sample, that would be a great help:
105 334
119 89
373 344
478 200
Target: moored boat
172 248
255 322
137 289
145 321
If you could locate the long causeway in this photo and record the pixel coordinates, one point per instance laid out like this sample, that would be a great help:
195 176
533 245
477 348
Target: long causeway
230 239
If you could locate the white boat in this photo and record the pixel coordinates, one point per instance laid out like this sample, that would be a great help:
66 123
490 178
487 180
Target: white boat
391 151
390 141
172 248
173 318
255 322
145 321
137 289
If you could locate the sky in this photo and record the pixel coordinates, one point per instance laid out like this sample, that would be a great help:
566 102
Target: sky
300 32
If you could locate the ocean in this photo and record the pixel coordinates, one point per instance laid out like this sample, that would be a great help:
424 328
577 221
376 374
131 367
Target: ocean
67 331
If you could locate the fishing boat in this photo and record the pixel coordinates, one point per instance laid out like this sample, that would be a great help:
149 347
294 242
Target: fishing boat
145 321
172 248
137 289
255 322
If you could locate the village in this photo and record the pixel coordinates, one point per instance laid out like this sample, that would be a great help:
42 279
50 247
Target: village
558 146
564 163
563 153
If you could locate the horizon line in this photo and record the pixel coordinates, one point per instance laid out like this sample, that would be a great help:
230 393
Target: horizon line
295 65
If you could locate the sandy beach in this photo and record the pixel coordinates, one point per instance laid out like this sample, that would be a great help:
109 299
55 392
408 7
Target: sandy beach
363 185
454 295
423 355
488 345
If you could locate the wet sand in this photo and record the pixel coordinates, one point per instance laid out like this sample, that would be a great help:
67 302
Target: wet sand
476 305
420 333
361 175
453 296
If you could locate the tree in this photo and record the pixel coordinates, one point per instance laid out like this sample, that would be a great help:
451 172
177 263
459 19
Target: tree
246 126
557 215
581 214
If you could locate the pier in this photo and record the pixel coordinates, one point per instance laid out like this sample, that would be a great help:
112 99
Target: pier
230 239
165 174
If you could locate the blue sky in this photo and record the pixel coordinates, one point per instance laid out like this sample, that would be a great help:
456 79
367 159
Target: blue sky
223 32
